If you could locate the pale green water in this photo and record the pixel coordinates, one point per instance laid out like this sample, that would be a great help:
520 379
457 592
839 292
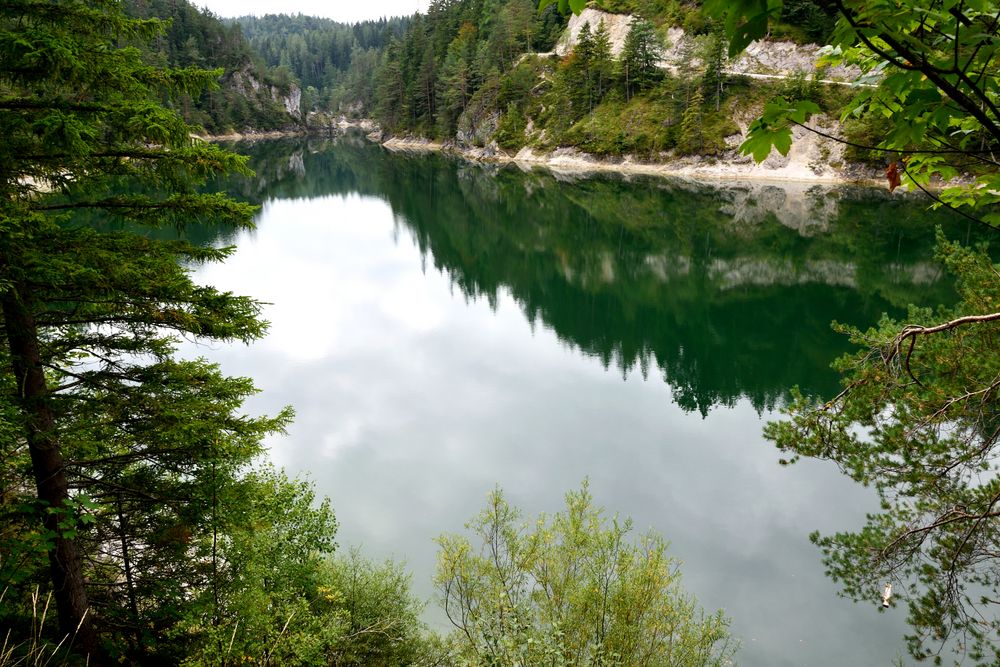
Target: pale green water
442 327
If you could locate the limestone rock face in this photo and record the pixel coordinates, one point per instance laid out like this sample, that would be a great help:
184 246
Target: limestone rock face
616 24
766 57
246 84
291 101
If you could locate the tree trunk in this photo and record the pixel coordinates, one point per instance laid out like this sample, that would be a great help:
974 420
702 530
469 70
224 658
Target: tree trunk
126 560
47 465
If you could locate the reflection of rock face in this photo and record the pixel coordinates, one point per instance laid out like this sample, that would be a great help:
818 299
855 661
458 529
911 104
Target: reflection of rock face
741 272
665 267
922 273
296 164
806 209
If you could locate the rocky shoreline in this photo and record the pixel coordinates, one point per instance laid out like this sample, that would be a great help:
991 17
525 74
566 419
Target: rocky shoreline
800 165
251 135
812 159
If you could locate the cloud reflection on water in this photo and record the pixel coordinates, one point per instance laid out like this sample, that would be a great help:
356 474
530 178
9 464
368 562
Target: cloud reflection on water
413 402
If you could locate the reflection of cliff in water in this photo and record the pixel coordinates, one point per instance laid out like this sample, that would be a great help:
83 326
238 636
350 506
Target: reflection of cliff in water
729 292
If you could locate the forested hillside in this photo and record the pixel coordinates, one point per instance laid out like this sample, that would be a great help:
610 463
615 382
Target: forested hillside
483 71
638 77
250 94
335 63
644 77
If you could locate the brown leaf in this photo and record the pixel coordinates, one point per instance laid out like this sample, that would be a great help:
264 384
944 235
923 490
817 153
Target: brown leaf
892 174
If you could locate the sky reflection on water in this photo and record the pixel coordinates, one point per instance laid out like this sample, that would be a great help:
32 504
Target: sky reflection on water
413 401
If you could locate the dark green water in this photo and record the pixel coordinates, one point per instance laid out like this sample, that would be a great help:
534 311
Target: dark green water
442 327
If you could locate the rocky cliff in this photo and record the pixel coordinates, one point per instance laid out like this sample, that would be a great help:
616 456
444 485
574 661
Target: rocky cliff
288 97
770 58
813 157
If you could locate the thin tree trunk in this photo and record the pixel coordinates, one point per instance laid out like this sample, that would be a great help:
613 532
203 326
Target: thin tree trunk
136 635
133 605
47 465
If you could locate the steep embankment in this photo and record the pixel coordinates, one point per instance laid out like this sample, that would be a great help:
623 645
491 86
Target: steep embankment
645 133
250 98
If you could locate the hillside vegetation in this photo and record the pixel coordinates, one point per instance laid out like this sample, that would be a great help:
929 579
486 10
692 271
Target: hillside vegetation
334 63
648 79
250 95
644 78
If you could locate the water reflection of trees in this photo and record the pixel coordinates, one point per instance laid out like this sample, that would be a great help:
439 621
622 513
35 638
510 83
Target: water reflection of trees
729 293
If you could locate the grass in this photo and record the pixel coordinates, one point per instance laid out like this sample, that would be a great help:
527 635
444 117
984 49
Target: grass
35 650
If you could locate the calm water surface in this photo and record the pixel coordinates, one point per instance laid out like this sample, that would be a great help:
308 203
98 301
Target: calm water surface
442 328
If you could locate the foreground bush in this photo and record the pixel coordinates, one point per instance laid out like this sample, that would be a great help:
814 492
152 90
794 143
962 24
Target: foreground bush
570 590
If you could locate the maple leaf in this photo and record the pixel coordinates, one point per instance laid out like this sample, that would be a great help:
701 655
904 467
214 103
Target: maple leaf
892 174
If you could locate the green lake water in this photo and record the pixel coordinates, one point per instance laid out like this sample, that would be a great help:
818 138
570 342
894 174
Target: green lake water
442 327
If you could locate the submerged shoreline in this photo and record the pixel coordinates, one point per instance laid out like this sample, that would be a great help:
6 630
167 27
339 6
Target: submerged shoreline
252 135
728 168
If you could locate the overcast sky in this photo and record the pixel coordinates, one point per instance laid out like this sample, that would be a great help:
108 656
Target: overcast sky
339 10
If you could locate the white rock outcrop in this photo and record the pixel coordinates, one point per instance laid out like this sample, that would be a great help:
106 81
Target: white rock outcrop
292 101
764 58
616 24
246 84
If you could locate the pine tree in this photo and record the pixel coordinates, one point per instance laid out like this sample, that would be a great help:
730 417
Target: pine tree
714 56
390 90
692 136
602 63
640 57
577 73
89 315
458 77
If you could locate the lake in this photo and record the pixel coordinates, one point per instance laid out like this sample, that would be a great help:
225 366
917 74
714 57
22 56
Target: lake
442 327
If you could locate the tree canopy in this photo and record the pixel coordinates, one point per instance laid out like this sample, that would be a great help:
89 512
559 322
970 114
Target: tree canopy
128 484
917 420
120 436
571 589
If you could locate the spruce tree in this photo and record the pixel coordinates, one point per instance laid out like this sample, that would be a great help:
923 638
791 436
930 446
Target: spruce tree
692 137
714 56
91 303
602 63
640 57
578 78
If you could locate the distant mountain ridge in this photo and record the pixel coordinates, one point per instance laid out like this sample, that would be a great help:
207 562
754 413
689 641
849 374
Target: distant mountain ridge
334 62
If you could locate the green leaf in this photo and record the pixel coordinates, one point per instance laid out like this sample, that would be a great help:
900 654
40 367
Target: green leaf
86 502
802 110
782 140
761 138
772 129
744 34
746 20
